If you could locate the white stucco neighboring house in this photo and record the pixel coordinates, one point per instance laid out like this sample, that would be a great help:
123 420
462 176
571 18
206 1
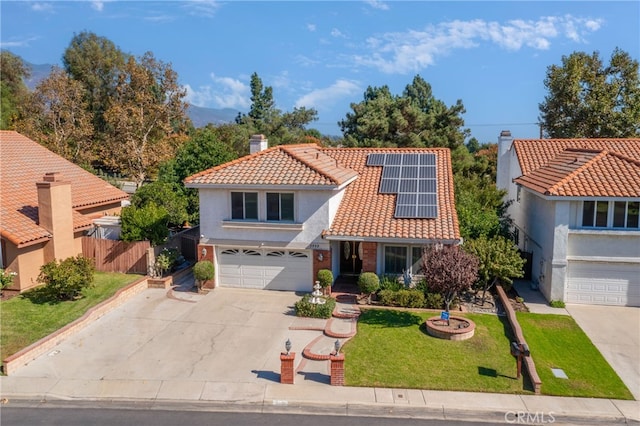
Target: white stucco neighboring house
575 207
273 218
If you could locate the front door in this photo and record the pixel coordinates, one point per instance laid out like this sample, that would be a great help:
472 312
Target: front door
350 257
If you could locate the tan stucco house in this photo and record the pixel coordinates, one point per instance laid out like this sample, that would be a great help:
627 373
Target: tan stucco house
46 204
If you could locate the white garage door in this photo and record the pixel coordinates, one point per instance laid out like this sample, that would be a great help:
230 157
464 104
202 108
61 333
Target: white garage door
265 269
600 283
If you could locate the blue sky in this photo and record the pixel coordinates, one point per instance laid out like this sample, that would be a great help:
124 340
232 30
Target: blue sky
324 54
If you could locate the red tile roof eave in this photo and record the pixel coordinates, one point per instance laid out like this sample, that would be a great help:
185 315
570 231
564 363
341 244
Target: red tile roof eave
20 243
99 203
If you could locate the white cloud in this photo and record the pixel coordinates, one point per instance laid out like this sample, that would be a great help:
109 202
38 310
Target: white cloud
410 51
311 27
226 92
330 95
17 43
337 33
97 5
207 8
377 4
41 7
160 18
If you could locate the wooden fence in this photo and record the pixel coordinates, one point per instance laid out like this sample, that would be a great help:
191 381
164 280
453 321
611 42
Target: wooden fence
117 256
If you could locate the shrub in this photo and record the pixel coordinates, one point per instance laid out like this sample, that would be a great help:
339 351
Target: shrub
390 282
387 297
403 298
65 280
557 304
368 282
203 271
6 278
433 301
304 307
415 299
325 276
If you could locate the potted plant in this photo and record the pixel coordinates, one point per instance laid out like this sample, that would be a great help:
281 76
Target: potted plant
203 271
325 277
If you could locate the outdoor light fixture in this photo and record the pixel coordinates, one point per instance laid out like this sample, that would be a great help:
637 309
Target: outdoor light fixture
287 346
204 251
320 257
337 346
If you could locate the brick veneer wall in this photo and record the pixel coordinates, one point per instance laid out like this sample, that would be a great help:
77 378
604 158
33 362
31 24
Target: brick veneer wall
369 256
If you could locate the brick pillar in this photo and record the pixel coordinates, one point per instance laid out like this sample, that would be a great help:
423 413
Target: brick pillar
286 367
337 369
210 256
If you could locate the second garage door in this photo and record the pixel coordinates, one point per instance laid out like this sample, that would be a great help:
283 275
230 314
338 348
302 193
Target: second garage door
265 269
602 283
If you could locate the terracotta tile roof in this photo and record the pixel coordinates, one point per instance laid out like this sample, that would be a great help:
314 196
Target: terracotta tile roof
24 162
580 167
365 213
303 164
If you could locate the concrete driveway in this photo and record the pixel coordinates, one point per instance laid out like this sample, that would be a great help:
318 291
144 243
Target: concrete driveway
615 330
226 336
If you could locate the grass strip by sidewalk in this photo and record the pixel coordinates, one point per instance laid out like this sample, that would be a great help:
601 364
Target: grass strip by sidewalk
392 349
556 341
27 318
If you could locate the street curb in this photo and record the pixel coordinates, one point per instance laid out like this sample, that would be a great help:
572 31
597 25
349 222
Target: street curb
345 409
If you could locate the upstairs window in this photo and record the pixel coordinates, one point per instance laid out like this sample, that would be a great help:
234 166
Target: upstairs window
594 214
279 206
615 214
625 214
244 205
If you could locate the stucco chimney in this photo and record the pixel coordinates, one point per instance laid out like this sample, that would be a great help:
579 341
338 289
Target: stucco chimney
258 143
55 214
503 178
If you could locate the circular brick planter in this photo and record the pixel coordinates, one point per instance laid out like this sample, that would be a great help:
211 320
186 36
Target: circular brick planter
460 328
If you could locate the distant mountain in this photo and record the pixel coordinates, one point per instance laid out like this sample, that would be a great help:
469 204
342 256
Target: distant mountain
38 73
201 116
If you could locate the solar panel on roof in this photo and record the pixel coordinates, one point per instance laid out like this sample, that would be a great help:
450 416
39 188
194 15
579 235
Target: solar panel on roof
412 177
391 172
376 159
389 186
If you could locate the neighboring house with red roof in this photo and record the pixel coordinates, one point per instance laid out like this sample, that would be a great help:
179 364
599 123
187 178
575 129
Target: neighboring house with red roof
46 204
273 218
576 206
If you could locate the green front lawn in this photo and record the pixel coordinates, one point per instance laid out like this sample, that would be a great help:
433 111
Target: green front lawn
392 349
27 318
556 341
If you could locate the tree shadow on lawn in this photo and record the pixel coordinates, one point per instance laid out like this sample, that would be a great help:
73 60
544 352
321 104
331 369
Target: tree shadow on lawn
389 318
41 295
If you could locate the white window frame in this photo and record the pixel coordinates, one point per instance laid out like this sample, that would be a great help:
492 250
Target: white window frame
280 194
610 215
244 205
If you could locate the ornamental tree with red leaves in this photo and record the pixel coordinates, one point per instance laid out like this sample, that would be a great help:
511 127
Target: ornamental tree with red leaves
449 270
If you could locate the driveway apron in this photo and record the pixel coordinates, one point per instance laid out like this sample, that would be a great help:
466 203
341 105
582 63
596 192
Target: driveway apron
615 330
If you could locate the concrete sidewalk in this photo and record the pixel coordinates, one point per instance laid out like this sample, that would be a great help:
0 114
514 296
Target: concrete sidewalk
220 351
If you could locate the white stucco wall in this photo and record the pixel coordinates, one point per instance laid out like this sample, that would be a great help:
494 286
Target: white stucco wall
314 211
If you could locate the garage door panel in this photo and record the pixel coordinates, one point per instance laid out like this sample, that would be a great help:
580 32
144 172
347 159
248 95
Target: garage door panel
603 283
268 269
